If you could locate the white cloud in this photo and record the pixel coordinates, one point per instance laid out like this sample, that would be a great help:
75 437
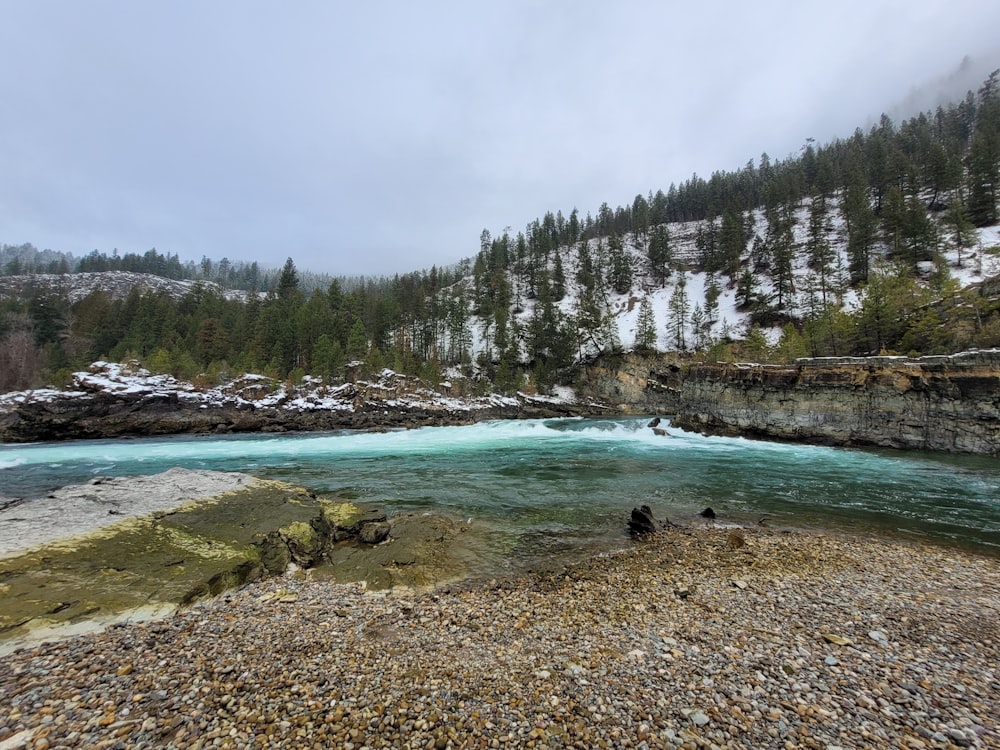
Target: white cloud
382 137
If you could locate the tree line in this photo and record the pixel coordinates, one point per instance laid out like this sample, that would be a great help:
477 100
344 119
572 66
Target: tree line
536 302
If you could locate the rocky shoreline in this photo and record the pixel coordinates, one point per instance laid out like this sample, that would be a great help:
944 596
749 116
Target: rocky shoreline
702 637
113 400
939 403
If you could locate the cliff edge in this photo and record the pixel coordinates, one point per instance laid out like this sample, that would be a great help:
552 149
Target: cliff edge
939 403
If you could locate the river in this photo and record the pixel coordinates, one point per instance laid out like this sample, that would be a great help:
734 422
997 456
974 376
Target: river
559 489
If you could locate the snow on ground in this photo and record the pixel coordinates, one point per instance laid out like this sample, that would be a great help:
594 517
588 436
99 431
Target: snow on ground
390 389
116 284
979 262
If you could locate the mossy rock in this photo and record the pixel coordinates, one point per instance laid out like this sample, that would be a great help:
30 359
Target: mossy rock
304 544
168 558
343 520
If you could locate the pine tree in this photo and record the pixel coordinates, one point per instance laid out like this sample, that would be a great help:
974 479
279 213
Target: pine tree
712 294
706 242
861 225
677 314
288 282
328 358
588 302
558 279
746 290
700 327
820 254
962 233
919 233
983 160
791 345
620 271
640 220
755 347
781 240
658 251
357 341
458 330
645 327
732 244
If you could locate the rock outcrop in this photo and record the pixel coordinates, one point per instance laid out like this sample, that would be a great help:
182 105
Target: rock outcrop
633 383
642 522
116 400
941 403
150 544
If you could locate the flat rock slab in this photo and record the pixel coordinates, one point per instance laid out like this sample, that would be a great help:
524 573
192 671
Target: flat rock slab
175 553
80 509
69 564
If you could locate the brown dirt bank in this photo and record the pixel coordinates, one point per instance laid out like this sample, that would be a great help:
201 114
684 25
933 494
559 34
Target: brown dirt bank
691 639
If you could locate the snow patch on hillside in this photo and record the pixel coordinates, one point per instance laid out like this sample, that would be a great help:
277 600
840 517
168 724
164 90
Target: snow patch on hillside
116 284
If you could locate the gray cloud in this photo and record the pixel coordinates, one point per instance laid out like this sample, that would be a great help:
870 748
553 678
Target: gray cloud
382 137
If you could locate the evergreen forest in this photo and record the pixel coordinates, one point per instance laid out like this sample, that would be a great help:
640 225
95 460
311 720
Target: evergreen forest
880 242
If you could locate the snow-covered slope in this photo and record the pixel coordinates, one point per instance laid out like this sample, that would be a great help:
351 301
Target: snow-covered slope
116 284
729 321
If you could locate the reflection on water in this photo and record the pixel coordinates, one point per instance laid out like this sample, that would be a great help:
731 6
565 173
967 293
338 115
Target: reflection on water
541 486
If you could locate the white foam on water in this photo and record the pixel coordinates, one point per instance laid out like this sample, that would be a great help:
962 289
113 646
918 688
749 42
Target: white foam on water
567 462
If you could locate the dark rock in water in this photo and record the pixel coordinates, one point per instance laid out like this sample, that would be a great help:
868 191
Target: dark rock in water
707 513
642 521
655 422
661 432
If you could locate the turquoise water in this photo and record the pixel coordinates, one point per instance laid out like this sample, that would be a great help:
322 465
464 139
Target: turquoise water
552 488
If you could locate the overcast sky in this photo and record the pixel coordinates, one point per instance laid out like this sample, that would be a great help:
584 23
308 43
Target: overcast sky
380 137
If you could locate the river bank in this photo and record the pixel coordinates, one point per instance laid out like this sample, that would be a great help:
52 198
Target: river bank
113 400
698 637
948 403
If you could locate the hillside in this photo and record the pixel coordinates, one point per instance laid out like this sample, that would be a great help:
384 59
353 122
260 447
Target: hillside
884 242
118 285
730 318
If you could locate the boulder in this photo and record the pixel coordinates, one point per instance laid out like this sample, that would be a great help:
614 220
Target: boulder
374 533
642 521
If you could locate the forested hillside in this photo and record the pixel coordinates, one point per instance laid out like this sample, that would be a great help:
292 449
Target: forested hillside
884 241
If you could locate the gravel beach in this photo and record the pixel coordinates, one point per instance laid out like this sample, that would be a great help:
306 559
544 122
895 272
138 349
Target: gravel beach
708 637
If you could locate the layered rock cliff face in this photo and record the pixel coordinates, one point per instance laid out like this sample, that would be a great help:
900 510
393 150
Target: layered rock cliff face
633 383
944 403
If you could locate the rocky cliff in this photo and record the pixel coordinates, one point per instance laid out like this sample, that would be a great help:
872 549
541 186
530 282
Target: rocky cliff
943 403
633 383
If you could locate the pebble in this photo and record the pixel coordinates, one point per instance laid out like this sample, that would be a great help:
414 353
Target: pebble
608 654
